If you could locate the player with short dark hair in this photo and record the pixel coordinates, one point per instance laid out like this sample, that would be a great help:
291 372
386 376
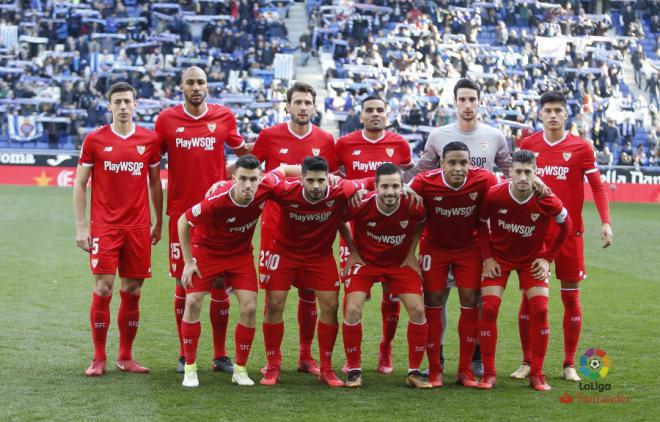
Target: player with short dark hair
359 154
519 222
123 160
193 135
301 252
289 143
221 245
452 196
563 161
383 225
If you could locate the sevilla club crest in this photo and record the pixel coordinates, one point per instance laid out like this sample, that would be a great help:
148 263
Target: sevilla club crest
535 216
566 155
140 149
316 151
473 195
211 127
329 204
390 152
403 223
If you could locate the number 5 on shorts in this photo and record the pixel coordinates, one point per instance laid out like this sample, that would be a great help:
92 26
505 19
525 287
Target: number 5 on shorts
176 251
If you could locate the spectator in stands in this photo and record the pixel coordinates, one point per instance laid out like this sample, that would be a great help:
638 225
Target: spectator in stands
652 87
641 159
637 60
611 136
627 129
626 158
605 157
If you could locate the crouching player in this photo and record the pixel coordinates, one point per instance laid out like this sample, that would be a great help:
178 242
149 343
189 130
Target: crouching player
221 245
519 222
384 226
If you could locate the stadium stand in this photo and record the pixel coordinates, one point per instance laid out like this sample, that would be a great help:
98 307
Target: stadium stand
57 59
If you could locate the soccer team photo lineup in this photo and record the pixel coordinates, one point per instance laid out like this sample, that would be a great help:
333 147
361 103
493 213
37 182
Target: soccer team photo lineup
265 193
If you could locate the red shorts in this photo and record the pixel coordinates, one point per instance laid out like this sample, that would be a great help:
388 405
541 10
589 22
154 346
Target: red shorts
264 247
237 271
525 278
569 262
464 263
281 271
176 257
401 280
126 249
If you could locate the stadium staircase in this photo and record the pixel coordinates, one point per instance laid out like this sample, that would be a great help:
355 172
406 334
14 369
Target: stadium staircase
313 73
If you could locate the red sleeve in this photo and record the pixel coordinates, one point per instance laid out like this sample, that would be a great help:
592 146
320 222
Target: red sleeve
416 184
600 196
259 149
160 130
551 205
87 152
234 140
338 151
202 212
272 179
349 187
155 154
483 233
564 227
368 183
406 154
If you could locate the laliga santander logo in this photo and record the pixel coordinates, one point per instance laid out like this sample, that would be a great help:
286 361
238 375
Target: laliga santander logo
595 364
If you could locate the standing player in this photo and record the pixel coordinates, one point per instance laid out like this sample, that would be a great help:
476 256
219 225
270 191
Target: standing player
290 143
222 245
563 162
383 227
452 196
361 153
519 223
193 135
301 254
121 158
488 148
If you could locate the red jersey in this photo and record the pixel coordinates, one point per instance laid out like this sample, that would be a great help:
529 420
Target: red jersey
278 145
452 212
517 229
195 148
361 156
120 168
307 228
562 166
384 239
226 227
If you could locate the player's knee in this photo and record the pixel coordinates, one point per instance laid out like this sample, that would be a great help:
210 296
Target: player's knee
490 308
248 308
274 307
433 298
539 311
416 314
306 295
329 306
353 313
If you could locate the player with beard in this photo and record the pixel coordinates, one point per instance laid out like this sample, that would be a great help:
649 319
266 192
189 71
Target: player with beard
289 143
359 154
193 135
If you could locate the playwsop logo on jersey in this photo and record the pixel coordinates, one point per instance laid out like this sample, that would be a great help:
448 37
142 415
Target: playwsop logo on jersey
595 365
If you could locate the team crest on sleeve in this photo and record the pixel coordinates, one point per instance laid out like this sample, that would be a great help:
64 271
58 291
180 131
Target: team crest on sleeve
196 210
211 127
316 151
329 204
403 224
566 155
390 152
473 195
140 149
535 216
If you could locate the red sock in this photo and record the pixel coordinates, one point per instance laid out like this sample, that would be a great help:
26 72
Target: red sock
273 334
327 339
128 318
572 324
219 312
243 338
488 332
306 322
99 319
190 332
417 336
390 312
353 344
468 334
179 307
524 327
434 321
540 332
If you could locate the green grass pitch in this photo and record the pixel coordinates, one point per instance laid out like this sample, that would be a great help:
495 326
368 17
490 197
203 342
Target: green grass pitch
45 340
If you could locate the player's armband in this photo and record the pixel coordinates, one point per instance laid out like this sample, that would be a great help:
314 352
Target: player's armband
561 217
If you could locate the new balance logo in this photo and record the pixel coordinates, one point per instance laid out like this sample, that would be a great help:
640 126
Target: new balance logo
107 149
180 129
231 220
284 151
371 224
503 211
437 198
357 152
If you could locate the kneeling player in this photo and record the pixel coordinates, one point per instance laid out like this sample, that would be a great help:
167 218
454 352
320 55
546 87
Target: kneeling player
119 158
384 226
222 246
518 224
